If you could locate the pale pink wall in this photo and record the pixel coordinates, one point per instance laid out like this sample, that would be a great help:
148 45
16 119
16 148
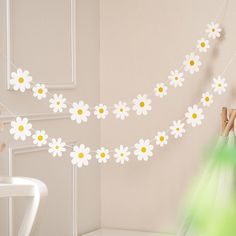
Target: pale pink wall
140 42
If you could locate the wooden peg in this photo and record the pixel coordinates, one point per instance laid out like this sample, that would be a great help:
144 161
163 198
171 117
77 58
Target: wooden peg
229 124
230 112
224 118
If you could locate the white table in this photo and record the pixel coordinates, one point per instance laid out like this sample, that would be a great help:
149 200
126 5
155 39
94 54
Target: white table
24 187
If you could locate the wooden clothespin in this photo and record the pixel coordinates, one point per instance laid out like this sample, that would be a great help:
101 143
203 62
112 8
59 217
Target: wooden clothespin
227 123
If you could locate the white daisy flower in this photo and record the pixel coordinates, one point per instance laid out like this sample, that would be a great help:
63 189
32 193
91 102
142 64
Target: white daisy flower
203 45
101 111
56 147
102 155
207 99
177 129
161 90
20 80
213 30
176 78
143 150
57 103
142 105
121 110
20 128
192 63
80 112
122 154
40 91
219 85
80 155
161 138
194 115
40 138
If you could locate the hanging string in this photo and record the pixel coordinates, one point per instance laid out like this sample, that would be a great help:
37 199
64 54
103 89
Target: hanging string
150 94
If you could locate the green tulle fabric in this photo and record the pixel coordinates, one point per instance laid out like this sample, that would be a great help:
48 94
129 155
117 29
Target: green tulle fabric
212 206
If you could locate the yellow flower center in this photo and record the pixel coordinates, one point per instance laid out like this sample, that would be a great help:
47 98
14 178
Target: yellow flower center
21 128
176 78
121 110
40 91
57 147
194 115
160 89
141 104
192 62
122 154
143 149
213 30
80 111
203 44
40 138
162 138
177 129
219 85
81 155
207 99
102 154
58 103
21 80
101 110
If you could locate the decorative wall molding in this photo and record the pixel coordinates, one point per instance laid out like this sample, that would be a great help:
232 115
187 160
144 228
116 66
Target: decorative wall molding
13 151
70 85
37 117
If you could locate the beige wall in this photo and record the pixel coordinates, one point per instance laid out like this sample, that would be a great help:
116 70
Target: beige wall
141 41
41 44
124 47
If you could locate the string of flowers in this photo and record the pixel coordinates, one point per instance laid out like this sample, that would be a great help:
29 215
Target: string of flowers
143 149
80 111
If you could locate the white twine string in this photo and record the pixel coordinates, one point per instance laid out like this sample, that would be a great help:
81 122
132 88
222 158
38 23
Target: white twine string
150 94
228 64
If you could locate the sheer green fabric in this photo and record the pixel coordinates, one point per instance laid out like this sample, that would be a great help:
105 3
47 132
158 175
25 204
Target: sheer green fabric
212 207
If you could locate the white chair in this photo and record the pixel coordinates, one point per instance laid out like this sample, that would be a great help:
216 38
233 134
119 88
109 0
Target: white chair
24 187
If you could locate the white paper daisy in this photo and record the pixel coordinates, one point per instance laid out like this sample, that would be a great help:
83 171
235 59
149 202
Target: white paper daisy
177 129
192 63
20 128
161 90
207 99
101 111
213 30
56 147
121 110
80 112
57 103
161 138
194 116
143 150
219 85
80 155
142 105
20 80
40 91
121 154
102 155
176 78
203 45
40 138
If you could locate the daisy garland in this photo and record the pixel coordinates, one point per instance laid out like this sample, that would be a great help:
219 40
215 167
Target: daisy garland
142 105
81 154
